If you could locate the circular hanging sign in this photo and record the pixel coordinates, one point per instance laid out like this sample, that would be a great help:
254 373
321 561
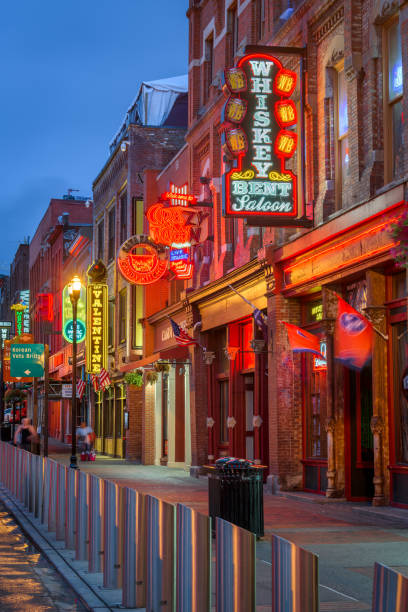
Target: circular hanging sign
69 331
404 383
139 261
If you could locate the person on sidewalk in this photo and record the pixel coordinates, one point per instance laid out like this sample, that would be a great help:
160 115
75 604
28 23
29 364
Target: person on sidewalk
85 436
25 434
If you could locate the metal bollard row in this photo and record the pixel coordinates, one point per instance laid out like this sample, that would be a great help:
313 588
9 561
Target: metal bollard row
158 553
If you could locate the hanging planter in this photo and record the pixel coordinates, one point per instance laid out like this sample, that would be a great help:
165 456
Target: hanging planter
151 377
134 378
399 232
159 366
15 395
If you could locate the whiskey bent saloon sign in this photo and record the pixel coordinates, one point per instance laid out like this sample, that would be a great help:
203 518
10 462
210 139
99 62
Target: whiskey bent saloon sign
258 118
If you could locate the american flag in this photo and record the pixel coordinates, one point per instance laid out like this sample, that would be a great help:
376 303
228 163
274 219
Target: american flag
104 379
182 338
80 388
95 382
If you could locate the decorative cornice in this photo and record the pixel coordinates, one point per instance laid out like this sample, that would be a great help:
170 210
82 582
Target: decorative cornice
328 25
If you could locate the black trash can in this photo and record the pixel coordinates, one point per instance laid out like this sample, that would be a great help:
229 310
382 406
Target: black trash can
5 432
235 494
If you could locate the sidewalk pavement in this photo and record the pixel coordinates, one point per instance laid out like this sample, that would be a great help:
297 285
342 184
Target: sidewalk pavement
348 537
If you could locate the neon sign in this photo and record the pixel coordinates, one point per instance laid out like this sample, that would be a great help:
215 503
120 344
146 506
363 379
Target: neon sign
318 362
25 301
97 323
256 120
67 321
45 306
19 318
167 225
178 196
141 268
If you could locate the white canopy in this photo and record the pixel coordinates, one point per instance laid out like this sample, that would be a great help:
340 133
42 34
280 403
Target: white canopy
153 103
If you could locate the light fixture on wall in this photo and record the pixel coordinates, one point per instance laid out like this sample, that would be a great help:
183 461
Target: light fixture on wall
124 145
231 352
257 345
208 357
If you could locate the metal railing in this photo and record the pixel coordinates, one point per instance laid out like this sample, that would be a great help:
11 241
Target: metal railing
159 554
390 590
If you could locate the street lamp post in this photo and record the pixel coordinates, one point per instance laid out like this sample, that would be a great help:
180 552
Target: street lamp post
74 290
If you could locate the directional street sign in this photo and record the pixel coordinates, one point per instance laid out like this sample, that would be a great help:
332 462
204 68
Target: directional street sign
27 360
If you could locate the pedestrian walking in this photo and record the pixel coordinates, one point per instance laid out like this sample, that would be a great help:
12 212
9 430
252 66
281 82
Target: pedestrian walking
85 436
25 434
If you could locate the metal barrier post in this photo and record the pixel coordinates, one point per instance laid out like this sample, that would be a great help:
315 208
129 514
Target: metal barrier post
60 501
193 574
71 507
26 477
235 568
134 550
160 574
82 512
113 534
31 482
390 590
295 578
52 500
38 485
95 524
46 491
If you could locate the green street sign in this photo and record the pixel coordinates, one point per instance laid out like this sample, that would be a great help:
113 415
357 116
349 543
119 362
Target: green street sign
67 327
69 331
26 360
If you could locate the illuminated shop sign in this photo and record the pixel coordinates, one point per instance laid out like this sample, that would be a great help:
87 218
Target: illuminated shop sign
318 362
67 322
175 225
19 318
141 262
25 301
257 121
5 329
97 325
44 307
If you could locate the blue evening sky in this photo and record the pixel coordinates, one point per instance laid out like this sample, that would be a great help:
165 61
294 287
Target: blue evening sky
69 69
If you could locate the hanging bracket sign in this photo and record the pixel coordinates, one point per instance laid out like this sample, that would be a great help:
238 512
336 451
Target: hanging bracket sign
258 139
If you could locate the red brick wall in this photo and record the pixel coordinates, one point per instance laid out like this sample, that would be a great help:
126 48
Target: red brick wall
134 403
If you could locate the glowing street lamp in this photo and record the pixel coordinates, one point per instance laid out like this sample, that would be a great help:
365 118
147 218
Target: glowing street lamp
74 290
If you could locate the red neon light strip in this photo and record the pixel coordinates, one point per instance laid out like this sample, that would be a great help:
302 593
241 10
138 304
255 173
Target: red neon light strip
336 247
340 232
346 264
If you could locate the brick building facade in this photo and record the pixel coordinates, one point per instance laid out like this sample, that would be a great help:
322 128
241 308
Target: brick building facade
330 431
119 207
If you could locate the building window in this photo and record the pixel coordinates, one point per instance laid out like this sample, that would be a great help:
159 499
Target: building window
343 156
99 414
138 216
394 89
223 411
208 67
137 316
100 232
400 347
120 399
315 408
123 218
111 323
108 410
122 315
111 235
232 34
260 19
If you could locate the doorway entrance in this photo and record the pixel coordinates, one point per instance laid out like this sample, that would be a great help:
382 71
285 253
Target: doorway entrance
249 416
359 448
